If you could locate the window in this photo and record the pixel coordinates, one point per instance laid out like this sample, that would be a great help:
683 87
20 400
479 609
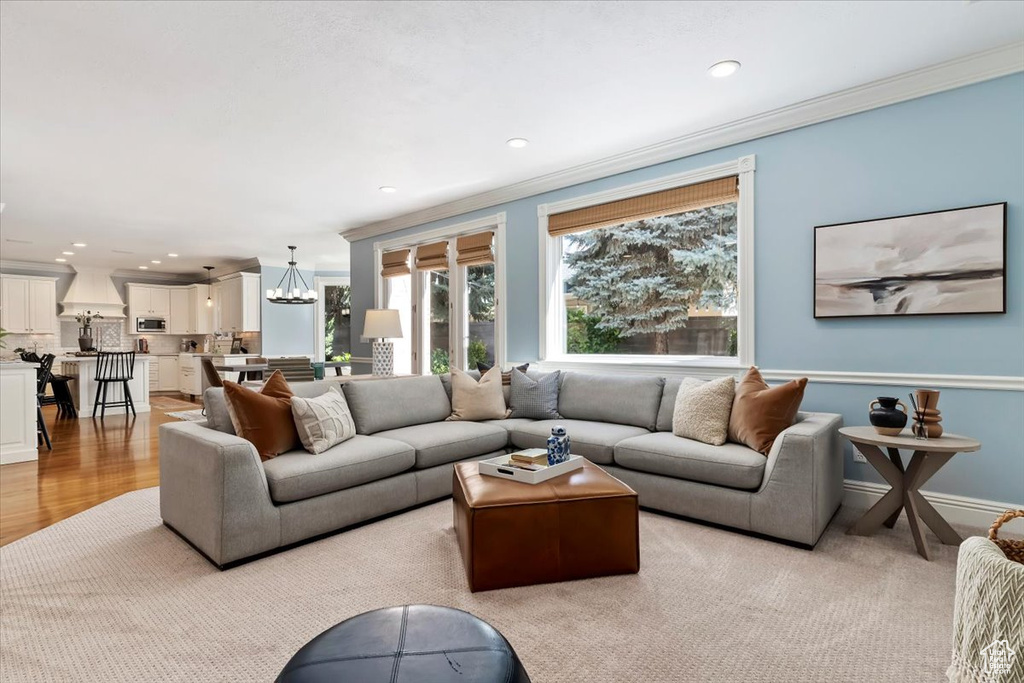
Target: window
334 319
398 295
636 275
454 298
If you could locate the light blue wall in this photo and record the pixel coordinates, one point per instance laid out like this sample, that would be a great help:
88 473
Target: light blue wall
287 330
959 148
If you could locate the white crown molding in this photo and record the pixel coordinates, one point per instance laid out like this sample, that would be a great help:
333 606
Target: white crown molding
982 66
148 277
973 512
6 266
714 368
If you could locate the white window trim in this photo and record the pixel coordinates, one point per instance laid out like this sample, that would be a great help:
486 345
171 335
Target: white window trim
319 318
495 222
552 304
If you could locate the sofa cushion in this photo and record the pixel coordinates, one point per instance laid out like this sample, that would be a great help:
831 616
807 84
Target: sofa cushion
509 423
702 409
622 399
664 453
592 440
299 475
760 413
443 442
668 403
322 421
378 405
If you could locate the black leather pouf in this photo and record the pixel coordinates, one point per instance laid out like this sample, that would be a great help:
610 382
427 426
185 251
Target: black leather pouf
411 644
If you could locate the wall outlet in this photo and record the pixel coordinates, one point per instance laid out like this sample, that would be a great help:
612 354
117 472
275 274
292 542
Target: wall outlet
857 457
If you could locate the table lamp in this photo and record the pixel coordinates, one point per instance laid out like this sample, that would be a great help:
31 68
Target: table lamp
380 325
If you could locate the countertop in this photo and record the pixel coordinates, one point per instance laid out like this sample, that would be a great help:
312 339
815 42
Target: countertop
92 359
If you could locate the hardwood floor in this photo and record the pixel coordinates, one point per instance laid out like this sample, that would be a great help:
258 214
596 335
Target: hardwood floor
92 461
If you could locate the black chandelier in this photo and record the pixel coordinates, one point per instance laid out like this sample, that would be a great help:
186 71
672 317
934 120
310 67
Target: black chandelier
288 290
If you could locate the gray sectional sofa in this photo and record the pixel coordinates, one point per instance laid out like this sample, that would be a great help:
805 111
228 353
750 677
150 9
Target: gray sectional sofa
217 493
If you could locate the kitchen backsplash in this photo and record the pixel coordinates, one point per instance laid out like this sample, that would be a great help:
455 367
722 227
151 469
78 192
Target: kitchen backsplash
110 336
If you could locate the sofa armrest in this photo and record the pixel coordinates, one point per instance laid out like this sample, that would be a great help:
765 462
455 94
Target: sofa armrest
214 492
803 480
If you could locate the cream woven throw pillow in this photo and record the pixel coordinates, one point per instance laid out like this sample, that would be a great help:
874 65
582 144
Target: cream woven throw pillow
323 421
702 410
472 400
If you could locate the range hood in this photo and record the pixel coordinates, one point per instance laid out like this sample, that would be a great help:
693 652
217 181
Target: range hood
92 290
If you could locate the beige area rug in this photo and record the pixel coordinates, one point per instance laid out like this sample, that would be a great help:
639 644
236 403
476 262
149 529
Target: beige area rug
165 403
112 595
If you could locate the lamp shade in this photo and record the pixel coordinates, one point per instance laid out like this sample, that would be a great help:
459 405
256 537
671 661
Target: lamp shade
382 323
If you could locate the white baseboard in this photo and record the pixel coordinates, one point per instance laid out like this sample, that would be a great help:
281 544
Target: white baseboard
973 512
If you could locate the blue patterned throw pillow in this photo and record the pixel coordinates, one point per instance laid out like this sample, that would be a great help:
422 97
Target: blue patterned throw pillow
534 397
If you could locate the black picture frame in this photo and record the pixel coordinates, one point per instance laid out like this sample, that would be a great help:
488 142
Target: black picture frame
850 224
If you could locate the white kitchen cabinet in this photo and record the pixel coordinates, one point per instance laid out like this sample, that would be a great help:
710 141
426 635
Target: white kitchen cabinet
168 373
28 305
148 301
236 303
190 379
200 316
178 320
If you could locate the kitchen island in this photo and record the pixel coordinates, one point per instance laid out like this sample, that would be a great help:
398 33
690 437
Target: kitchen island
82 370
18 441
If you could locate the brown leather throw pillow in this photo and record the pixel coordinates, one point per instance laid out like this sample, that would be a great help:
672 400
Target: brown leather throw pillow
264 417
760 413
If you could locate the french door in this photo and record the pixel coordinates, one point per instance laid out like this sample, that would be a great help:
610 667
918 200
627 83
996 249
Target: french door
448 304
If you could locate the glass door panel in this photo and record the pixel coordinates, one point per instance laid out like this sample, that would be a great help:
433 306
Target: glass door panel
480 305
437 337
399 296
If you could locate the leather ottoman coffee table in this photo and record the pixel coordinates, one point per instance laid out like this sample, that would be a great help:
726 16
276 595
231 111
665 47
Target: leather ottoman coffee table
580 525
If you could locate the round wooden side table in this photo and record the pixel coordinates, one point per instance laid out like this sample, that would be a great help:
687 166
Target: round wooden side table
929 456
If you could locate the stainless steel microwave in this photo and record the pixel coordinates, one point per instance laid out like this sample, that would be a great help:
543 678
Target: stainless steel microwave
149 325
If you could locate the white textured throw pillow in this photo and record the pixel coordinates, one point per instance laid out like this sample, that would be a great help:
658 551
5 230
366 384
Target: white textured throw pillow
323 421
703 408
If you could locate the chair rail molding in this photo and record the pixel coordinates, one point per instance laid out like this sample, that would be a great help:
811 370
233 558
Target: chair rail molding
956 73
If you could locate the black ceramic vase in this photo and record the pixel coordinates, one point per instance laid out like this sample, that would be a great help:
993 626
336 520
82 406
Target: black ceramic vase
887 419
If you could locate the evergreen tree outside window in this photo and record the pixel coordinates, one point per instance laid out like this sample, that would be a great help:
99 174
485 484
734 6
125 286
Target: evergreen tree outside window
659 286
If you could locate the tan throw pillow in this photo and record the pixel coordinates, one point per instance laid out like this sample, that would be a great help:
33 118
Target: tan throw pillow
472 400
760 412
323 421
703 408
264 417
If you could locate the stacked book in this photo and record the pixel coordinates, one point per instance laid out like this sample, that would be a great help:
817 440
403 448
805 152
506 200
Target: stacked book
532 459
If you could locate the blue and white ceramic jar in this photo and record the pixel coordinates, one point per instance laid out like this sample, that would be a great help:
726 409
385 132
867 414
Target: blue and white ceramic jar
558 445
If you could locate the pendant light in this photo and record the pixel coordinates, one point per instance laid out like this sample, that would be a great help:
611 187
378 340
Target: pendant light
209 295
288 290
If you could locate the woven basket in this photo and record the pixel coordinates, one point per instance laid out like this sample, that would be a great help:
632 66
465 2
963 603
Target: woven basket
1014 550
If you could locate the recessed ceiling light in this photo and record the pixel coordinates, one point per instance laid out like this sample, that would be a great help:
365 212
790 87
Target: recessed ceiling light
724 69
388 189
154 262
60 260
173 255
143 267
78 244
68 253
517 143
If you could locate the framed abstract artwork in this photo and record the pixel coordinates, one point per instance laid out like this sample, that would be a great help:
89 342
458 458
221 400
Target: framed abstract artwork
935 263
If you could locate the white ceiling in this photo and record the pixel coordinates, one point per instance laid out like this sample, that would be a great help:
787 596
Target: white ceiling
227 130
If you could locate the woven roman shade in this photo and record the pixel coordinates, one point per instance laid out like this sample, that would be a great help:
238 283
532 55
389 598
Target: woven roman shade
395 263
433 256
475 250
663 203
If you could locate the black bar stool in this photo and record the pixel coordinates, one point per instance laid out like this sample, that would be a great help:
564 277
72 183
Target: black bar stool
42 378
114 368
